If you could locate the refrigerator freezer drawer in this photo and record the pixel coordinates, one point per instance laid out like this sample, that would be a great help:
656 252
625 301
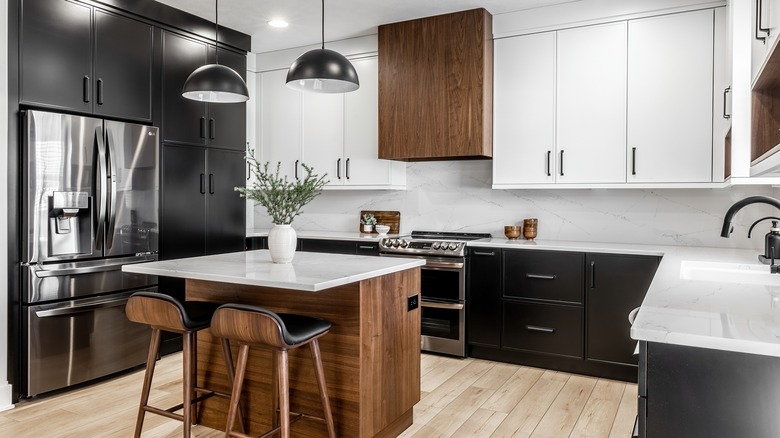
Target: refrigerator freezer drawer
81 279
76 341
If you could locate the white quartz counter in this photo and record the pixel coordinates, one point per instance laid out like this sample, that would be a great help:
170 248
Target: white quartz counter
308 271
553 245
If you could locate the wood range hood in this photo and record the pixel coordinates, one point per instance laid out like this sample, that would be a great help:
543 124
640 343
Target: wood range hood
436 88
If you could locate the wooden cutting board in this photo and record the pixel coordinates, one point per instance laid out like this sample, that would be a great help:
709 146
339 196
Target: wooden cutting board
390 218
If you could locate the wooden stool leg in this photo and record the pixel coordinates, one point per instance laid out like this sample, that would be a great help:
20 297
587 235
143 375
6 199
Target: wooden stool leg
235 395
320 374
232 376
284 392
187 414
151 360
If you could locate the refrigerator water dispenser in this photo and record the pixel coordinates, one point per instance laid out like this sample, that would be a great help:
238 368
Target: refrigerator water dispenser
70 223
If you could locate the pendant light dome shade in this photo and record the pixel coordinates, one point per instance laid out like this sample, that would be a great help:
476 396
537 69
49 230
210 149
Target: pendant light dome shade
215 83
323 71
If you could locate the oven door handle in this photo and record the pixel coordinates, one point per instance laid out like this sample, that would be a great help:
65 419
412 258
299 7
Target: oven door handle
432 264
437 305
65 311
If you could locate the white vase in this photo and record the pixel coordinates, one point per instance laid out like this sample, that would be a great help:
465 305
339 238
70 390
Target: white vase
281 243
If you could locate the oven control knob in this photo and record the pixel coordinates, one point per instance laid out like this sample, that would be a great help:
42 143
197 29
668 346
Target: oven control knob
453 246
436 245
404 243
394 243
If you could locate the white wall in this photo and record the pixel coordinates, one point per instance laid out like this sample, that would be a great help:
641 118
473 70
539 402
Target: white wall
5 388
456 196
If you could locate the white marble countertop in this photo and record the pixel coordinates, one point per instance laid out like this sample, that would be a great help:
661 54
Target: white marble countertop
553 245
308 271
334 235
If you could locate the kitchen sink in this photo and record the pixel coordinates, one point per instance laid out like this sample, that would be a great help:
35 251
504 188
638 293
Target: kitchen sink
744 273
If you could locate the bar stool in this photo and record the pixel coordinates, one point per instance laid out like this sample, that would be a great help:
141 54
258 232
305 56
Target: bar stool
256 326
164 312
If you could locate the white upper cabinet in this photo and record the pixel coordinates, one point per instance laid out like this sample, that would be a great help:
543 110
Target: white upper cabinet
670 93
591 104
332 133
281 121
524 110
766 26
362 167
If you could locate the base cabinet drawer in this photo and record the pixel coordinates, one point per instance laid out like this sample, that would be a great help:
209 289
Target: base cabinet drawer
544 328
544 275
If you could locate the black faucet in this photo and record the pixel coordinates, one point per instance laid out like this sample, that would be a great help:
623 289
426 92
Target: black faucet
727 228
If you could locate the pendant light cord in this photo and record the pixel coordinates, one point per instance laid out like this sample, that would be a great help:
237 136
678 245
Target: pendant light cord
216 32
323 24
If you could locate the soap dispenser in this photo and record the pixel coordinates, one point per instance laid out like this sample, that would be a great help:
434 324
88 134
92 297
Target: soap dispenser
771 241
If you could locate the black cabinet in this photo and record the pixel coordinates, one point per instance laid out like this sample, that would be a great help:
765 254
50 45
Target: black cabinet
698 392
191 122
561 310
483 295
338 246
253 243
616 285
80 58
201 213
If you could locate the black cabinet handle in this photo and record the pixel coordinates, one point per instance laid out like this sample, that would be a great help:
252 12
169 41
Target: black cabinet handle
248 171
725 92
100 91
202 184
483 253
561 162
366 247
549 158
633 161
592 274
536 328
87 86
202 127
296 169
759 19
212 129
541 277
338 168
211 183
347 165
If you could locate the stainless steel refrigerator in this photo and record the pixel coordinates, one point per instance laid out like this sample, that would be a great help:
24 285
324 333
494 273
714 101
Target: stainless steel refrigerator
89 206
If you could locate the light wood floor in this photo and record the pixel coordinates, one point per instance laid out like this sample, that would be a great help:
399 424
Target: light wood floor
460 398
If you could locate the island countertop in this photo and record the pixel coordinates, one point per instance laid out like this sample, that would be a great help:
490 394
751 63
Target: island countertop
309 271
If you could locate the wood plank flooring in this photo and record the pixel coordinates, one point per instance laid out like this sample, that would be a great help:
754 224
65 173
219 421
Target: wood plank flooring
460 398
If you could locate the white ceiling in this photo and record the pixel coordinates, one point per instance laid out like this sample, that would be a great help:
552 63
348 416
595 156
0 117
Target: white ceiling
343 18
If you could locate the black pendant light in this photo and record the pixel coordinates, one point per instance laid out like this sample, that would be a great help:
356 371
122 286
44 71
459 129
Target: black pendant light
214 82
322 70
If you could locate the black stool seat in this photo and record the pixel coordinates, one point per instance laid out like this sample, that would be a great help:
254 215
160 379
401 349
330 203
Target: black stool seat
296 329
196 315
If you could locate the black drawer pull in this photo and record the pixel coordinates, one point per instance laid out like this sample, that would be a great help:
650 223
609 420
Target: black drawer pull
366 247
541 277
484 253
536 328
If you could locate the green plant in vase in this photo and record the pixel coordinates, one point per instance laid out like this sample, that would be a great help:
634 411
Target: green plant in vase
283 200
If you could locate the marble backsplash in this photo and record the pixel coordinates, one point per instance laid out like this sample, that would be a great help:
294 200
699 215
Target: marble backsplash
456 196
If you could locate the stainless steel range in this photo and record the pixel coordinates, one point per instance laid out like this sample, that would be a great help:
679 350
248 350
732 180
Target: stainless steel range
443 288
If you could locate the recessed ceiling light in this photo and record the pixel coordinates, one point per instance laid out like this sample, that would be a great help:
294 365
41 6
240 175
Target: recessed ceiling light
278 23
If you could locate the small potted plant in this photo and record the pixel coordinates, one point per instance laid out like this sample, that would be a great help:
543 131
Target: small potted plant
283 200
368 220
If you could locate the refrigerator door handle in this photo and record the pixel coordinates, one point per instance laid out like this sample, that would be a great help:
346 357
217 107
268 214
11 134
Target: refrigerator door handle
112 181
101 266
101 185
72 310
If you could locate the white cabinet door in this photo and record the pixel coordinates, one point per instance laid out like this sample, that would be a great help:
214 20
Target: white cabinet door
670 69
524 110
768 18
721 92
361 163
280 122
591 104
323 135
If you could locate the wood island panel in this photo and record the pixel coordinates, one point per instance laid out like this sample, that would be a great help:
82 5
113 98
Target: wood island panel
371 357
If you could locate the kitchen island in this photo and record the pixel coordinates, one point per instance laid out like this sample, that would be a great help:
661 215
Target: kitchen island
371 355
